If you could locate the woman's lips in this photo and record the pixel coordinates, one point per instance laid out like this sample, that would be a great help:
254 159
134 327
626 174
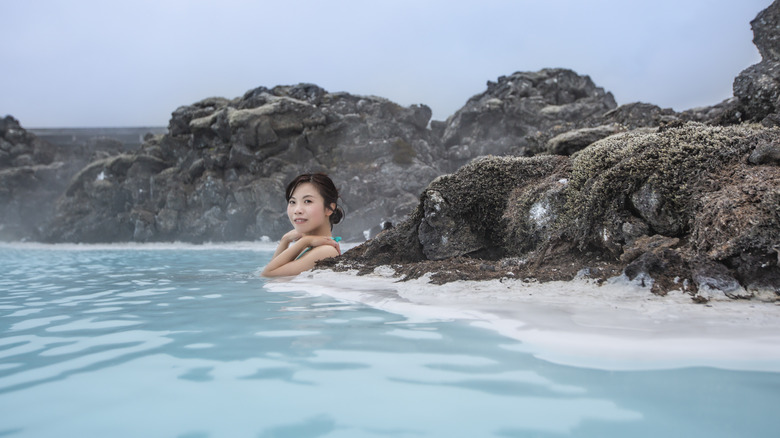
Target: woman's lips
299 221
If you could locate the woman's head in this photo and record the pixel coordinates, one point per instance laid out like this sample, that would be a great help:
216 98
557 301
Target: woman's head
325 187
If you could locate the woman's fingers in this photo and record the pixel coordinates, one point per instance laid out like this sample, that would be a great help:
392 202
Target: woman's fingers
326 241
292 235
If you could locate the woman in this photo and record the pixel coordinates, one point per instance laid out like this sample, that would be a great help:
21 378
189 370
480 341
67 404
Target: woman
313 209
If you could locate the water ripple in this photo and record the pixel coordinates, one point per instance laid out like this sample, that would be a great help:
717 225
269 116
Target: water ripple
136 342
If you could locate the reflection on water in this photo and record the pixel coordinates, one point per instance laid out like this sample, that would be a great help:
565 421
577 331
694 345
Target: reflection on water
187 343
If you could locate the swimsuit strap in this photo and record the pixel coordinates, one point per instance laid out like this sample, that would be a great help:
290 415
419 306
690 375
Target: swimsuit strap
303 252
337 239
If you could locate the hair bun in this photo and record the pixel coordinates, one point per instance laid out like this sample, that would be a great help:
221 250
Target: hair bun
337 215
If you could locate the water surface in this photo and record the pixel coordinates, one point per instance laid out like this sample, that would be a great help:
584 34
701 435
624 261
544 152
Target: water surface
180 341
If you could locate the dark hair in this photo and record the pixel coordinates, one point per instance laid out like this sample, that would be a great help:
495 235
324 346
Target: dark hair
326 189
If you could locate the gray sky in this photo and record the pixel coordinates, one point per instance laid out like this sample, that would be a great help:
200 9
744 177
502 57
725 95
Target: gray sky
82 63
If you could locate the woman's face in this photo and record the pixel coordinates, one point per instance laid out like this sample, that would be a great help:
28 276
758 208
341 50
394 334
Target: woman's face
306 210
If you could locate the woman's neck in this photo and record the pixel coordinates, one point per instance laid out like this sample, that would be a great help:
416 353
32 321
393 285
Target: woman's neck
322 232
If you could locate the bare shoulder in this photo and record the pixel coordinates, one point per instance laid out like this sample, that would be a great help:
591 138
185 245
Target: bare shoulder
322 252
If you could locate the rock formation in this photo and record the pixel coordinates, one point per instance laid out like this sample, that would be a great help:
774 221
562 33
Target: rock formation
219 173
680 207
758 87
517 114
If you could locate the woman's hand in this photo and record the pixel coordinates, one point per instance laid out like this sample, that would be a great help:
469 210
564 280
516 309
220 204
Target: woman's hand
321 240
291 236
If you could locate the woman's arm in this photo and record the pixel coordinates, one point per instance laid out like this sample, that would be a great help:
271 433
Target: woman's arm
284 263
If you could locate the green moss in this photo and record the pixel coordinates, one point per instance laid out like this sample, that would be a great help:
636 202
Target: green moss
479 190
740 214
605 174
531 213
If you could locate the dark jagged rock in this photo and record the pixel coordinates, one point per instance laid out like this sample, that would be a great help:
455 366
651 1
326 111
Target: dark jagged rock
628 117
637 115
766 32
758 86
758 89
727 112
518 114
767 152
578 139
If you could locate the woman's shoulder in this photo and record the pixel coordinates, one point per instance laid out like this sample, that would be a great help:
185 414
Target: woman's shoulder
322 251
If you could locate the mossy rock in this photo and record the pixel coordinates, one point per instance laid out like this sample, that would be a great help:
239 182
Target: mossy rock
691 187
476 197
666 163
532 213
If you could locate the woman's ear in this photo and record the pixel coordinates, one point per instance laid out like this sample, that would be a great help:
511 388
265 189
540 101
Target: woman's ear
330 209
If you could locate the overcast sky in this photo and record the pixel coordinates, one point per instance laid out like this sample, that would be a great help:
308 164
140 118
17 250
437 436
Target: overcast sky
80 63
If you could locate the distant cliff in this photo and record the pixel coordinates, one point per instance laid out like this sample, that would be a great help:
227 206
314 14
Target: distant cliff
37 165
111 140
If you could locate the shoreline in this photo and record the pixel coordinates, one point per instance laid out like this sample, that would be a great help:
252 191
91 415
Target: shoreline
616 326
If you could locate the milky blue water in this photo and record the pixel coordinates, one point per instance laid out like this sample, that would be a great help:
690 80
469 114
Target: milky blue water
187 342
